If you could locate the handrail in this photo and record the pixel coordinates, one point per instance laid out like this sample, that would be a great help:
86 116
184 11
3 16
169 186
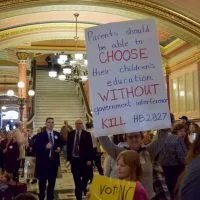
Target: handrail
85 101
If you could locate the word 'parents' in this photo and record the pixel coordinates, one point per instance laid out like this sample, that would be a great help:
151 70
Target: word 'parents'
92 36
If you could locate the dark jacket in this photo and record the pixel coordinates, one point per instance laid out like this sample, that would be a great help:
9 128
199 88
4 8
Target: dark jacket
30 151
85 146
11 156
42 154
190 187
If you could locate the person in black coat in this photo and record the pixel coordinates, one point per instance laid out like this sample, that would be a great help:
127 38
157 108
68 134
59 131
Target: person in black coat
80 155
48 147
3 142
11 157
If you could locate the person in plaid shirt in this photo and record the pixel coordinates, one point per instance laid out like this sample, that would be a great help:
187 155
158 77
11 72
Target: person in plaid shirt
159 184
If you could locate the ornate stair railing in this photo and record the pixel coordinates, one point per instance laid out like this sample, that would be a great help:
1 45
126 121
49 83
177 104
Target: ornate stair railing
82 95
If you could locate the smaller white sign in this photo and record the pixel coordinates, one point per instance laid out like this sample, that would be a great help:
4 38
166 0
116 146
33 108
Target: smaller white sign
29 167
11 114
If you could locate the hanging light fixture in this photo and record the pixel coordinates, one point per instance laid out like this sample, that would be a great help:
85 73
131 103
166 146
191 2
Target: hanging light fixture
78 56
20 84
10 93
69 66
31 93
52 74
78 62
72 62
3 107
84 78
67 70
85 62
61 77
54 69
62 59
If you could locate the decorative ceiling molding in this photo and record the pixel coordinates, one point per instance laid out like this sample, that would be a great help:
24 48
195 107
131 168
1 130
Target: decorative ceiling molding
188 8
172 46
185 61
33 33
45 49
186 53
38 32
15 32
8 55
140 5
178 51
9 73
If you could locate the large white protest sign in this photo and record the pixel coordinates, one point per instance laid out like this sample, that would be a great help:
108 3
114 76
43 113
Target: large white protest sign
126 79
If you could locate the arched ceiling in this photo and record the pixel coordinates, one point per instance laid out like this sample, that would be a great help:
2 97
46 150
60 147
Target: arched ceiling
28 18
45 26
188 8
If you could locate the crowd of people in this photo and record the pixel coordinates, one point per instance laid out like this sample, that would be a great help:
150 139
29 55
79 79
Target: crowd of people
164 163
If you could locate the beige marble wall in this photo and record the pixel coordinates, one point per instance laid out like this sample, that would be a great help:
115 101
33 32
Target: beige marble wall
184 87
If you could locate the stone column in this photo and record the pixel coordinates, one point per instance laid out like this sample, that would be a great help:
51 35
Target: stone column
22 76
166 76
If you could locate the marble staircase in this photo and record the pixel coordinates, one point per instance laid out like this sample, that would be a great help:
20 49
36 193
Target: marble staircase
57 99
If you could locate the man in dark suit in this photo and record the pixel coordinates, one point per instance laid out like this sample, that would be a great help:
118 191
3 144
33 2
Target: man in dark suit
80 155
48 147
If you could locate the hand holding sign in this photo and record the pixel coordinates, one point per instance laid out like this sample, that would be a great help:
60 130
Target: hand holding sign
104 188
